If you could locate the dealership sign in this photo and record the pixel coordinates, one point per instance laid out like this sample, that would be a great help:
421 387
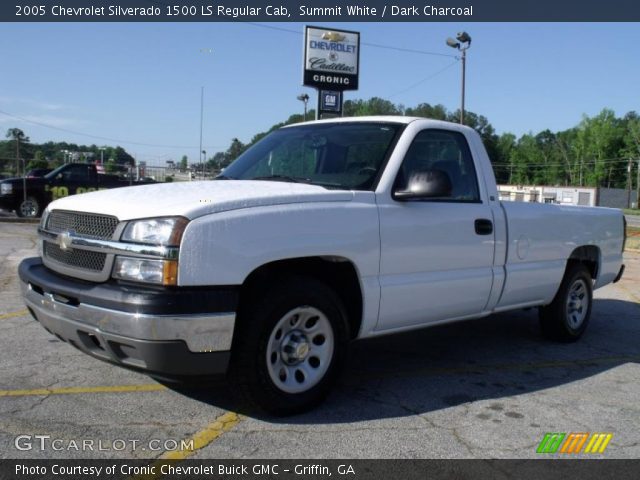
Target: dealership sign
331 58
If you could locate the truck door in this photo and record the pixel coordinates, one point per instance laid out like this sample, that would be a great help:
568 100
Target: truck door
437 253
75 178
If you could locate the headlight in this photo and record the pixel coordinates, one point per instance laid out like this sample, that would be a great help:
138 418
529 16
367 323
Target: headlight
156 231
6 188
159 272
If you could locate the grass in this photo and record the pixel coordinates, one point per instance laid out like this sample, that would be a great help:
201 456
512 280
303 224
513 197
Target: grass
631 211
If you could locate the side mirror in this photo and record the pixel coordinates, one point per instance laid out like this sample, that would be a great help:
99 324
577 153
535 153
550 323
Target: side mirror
426 184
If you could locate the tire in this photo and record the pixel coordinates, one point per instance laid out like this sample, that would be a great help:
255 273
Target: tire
29 208
566 318
290 345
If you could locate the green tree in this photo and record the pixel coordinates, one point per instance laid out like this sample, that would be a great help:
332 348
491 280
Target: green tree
39 161
425 110
235 150
184 163
18 137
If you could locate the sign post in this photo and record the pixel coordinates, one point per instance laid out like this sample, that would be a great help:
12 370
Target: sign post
331 66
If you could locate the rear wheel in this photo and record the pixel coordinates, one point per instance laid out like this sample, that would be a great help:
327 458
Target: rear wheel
28 208
290 346
566 318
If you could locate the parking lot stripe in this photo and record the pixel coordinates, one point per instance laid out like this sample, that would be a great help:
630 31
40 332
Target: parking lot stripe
204 437
19 313
199 440
151 387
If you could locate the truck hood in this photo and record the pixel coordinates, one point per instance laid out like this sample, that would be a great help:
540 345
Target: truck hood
195 199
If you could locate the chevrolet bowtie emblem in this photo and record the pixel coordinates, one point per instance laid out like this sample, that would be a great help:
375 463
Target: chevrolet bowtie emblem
333 37
64 241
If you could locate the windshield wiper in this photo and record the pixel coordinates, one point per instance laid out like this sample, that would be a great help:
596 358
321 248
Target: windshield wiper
283 178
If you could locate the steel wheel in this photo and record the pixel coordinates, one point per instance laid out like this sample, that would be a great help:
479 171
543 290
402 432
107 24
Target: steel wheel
300 349
577 305
566 318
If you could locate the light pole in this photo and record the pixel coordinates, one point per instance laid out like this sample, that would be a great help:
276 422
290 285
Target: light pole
204 160
462 38
201 119
304 98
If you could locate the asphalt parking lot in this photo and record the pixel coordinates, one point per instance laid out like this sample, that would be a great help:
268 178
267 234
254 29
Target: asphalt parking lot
488 388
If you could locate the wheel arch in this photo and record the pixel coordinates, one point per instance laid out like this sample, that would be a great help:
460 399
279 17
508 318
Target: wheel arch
589 256
337 272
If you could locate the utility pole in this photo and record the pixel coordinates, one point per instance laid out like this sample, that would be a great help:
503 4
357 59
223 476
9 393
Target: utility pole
201 118
629 184
18 157
638 186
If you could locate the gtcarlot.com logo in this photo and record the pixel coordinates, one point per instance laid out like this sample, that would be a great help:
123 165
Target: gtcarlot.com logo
581 442
46 442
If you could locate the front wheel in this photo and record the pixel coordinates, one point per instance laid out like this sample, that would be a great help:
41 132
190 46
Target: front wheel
566 318
28 208
290 346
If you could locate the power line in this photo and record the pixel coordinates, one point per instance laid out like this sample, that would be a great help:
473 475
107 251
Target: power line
425 79
368 44
53 127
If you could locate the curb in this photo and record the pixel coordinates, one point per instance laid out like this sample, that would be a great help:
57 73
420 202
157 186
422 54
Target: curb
18 220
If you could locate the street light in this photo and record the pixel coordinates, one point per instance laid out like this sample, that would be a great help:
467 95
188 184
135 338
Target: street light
462 38
303 97
204 159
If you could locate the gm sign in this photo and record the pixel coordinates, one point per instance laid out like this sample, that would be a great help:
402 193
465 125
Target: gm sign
331 58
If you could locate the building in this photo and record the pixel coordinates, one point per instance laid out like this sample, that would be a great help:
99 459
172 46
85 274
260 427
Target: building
587 196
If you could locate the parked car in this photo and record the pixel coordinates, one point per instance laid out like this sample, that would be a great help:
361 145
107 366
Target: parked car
320 234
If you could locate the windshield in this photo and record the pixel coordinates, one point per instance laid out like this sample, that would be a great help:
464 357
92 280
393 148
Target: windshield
55 172
338 155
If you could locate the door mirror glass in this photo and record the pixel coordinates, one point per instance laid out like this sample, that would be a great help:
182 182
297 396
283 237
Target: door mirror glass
426 184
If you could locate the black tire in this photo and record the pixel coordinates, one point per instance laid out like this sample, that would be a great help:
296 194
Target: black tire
566 318
276 320
29 208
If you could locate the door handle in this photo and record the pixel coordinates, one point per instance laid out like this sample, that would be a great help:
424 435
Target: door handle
484 226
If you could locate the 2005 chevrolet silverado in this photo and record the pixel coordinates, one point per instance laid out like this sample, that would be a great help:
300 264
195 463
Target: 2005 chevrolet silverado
319 234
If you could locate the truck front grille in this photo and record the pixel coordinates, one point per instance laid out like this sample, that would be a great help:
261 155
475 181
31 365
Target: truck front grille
84 259
83 224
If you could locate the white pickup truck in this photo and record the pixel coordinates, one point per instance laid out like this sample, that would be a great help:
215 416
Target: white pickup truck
319 234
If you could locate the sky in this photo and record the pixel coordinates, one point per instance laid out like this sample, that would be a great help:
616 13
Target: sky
138 85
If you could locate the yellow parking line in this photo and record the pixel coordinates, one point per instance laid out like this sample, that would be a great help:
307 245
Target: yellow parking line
151 387
204 437
198 440
19 313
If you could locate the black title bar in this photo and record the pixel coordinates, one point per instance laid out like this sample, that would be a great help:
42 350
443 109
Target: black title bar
315 11
542 469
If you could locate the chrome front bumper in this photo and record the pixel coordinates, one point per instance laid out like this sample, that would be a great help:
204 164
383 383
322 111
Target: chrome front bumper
201 333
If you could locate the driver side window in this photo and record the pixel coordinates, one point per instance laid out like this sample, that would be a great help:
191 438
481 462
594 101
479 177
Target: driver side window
447 152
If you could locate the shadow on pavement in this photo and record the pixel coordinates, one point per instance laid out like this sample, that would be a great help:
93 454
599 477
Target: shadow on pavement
491 358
